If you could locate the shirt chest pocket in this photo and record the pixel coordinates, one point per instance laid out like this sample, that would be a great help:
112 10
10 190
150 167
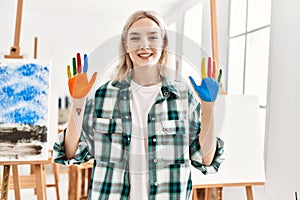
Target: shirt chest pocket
173 141
109 145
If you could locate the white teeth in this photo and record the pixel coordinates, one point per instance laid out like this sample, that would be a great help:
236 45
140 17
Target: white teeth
145 55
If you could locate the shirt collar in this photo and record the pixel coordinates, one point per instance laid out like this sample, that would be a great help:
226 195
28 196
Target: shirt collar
166 89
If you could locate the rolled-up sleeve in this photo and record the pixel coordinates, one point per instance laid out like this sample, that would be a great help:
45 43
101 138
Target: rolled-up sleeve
85 150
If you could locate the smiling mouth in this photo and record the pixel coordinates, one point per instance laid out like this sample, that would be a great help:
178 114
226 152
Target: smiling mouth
145 55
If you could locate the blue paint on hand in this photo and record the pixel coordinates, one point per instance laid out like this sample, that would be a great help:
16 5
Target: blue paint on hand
208 90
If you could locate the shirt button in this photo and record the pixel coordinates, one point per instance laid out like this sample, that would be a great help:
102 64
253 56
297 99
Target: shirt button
154 139
124 97
155 160
156 183
127 117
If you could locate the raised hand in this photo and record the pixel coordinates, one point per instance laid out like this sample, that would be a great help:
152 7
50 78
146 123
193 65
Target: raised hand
209 88
79 86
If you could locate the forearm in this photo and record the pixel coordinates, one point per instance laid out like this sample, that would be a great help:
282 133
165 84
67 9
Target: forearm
74 127
207 135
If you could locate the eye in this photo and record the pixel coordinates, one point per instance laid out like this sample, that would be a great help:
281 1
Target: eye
153 38
134 38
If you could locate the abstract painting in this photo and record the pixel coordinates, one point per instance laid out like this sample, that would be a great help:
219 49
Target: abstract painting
24 100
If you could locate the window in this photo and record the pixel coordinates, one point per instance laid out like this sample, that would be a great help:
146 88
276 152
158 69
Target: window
248 56
192 39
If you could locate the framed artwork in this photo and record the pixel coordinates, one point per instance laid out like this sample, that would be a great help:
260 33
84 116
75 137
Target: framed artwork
24 109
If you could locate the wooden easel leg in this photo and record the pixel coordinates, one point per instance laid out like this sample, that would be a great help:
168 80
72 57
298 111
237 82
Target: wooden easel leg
56 179
72 183
5 182
32 172
40 184
208 192
83 182
89 180
194 194
78 183
219 193
249 193
16 182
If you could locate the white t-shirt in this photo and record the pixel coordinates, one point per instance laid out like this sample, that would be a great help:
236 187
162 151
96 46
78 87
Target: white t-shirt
142 100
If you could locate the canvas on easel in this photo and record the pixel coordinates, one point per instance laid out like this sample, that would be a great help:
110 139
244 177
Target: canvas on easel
24 113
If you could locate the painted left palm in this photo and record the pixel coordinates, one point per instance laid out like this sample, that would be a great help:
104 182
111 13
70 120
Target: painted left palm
209 89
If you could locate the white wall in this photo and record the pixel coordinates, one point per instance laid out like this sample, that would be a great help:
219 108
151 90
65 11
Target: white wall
283 135
60 37
283 164
58 40
222 17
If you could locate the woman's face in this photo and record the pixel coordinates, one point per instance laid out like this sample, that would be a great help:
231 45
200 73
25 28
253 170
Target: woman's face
144 43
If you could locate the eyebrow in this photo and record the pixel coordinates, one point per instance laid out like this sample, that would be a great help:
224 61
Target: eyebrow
149 33
134 33
153 32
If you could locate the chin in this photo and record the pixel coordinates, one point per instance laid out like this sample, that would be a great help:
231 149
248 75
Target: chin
147 64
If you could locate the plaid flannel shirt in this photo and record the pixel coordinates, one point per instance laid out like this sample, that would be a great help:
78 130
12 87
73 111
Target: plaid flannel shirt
173 142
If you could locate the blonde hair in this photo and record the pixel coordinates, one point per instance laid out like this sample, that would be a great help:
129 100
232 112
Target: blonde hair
125 64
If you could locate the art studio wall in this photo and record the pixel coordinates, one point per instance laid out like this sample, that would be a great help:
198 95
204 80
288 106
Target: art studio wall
59 39
60 36
282 132
61 33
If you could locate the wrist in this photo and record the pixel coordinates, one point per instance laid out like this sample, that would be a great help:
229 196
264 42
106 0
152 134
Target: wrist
207 107
78 104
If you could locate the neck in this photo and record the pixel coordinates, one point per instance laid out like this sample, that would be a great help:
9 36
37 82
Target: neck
146 76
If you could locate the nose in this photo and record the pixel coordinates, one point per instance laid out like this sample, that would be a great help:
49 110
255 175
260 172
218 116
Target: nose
145 43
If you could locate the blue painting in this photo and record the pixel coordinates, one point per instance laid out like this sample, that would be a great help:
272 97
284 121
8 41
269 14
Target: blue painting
24 92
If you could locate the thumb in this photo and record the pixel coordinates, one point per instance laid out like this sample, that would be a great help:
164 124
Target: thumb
193 82
93 79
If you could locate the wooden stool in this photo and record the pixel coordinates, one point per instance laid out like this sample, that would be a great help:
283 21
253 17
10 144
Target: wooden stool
80 180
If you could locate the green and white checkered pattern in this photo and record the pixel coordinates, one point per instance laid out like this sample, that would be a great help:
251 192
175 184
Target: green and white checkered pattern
173 142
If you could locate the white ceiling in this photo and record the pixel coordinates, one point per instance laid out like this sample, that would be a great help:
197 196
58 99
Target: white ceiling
104 8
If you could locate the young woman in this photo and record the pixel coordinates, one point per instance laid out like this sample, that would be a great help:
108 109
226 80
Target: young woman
142 129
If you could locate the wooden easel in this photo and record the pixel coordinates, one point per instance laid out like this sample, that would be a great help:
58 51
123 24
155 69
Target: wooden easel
248 188
15 50
219 187
36 180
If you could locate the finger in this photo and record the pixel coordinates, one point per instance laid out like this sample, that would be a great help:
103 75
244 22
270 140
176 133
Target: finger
203 70
92 81
78 63
209 67
214 75
193 82
85 65
74 66
69 71
220 76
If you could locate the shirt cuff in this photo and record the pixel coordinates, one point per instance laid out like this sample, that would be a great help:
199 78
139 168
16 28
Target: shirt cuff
216 162
82 154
